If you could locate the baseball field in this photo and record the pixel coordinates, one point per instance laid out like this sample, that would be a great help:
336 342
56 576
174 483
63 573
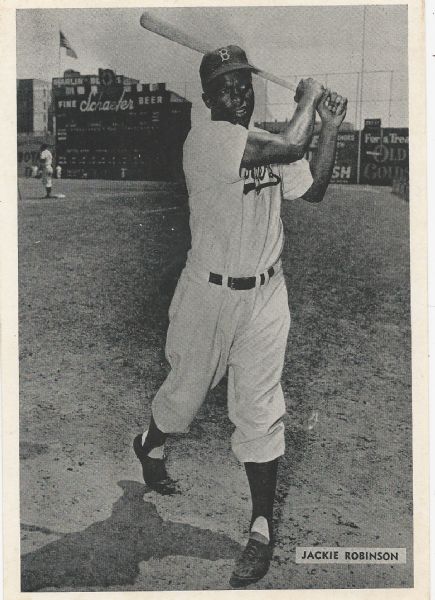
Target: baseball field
96 273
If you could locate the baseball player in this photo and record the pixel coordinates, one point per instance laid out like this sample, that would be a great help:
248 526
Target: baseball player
46 164
230 309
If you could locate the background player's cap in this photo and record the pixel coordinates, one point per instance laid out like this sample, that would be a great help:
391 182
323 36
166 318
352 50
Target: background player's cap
223 60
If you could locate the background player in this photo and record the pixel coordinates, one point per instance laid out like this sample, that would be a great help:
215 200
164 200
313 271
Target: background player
230 308
46 164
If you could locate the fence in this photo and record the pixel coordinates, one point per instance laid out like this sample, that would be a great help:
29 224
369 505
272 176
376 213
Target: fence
377 158
383 94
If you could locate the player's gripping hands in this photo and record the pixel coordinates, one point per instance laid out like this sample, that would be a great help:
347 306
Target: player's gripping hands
332 108
309 91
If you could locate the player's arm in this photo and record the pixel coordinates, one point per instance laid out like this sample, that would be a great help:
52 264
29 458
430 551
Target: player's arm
264 148
332 110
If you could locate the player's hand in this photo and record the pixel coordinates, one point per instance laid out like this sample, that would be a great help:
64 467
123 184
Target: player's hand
309 90
332 108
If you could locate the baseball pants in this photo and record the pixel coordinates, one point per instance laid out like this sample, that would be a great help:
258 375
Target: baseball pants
47 174
213 328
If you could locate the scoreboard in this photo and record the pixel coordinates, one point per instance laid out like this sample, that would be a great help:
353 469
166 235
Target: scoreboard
109 129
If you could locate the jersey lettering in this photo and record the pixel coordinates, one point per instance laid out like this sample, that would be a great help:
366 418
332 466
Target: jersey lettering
254 179
224 54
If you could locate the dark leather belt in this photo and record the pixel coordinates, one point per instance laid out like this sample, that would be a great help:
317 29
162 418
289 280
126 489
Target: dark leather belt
241 283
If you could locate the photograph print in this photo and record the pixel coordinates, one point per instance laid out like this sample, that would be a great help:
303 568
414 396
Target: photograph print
214 300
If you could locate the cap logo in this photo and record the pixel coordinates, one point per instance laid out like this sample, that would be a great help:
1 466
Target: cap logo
224 54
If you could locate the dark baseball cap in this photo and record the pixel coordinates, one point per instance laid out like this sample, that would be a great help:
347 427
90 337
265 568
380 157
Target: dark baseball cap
223 60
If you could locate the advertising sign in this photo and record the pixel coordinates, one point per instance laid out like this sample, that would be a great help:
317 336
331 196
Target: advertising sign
384 156
372 123
27 158
345 167
28 149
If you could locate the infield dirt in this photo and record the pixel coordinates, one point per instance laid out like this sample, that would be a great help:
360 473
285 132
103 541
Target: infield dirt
96 274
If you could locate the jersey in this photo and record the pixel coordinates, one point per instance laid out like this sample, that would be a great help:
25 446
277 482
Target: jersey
46 157
213 330
235 217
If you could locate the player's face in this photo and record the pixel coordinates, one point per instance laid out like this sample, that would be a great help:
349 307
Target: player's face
231 98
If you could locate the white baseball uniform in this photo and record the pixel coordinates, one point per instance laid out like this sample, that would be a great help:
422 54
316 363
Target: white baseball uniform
236 232
47 169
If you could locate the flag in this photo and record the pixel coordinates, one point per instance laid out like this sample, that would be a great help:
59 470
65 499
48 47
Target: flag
64 43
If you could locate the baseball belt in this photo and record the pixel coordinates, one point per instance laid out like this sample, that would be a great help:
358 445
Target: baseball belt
241 283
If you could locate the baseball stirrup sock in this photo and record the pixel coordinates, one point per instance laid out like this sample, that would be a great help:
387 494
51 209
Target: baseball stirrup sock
260 530
153 438
262 482
157 452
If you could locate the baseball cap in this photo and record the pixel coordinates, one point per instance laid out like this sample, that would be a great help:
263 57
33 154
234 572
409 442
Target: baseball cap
223 60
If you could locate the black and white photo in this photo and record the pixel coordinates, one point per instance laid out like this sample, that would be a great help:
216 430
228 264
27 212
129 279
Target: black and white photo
218 275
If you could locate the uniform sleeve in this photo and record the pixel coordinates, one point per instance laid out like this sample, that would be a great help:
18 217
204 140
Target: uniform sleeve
218 149
296 179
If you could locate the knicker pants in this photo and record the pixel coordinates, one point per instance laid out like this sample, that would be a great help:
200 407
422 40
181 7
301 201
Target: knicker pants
47 173
212 328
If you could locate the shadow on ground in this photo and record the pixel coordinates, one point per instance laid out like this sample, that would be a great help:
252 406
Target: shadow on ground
108 553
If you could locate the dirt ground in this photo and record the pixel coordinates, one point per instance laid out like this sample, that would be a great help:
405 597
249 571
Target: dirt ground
96 273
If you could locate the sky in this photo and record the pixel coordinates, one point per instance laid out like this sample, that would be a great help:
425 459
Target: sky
291 42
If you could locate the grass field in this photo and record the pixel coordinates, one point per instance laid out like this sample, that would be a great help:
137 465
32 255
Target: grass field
96 273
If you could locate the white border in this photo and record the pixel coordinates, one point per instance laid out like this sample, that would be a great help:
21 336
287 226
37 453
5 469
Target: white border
8 303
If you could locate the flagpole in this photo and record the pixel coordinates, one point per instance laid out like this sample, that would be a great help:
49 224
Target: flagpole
60 72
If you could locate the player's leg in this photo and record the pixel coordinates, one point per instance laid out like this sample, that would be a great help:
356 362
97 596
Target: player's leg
153 438
47 181
256 407
44 180
150 450
195 353
262 483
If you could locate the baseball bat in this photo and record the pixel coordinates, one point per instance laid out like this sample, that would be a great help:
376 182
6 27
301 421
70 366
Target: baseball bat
174 34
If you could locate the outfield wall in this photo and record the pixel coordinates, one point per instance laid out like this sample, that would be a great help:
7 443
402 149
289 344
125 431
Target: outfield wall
28 146
382 158
111 127
345 168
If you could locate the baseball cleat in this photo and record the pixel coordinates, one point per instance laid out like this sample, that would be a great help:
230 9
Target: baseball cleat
252 564
154 470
